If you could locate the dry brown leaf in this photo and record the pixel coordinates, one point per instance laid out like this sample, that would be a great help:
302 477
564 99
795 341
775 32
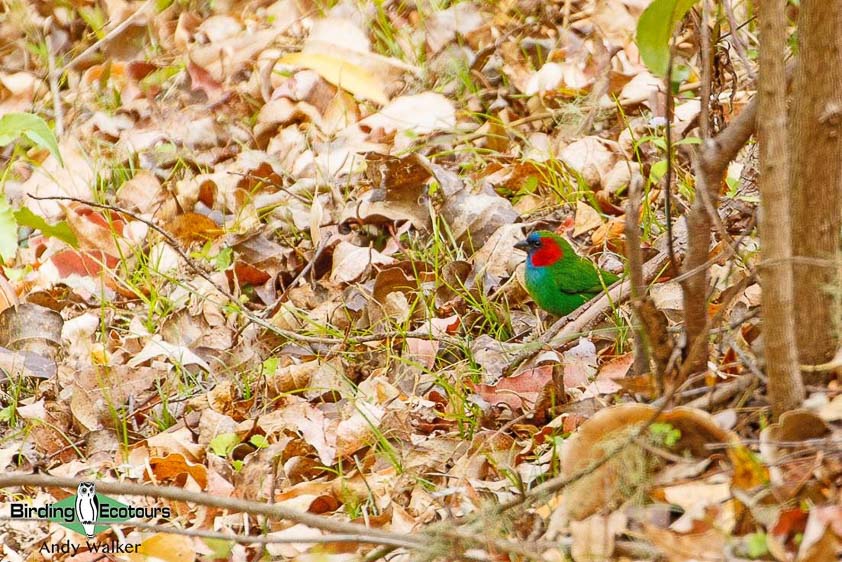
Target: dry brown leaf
51 179
143 193
590 157
188 228
359 430
586 219
475 217
172 467
629 469
225 58
443 25
593 538
519 392
822 536
579 364
18 91
350 261
179 441
345 75
411 116
707 546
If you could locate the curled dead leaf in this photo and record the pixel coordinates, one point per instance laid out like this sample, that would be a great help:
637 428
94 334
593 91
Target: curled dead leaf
631 468
350 261
192 227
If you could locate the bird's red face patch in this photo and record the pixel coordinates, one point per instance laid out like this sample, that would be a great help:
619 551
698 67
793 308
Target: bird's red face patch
547 254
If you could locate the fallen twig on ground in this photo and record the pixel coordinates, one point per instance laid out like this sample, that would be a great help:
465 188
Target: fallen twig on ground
362 533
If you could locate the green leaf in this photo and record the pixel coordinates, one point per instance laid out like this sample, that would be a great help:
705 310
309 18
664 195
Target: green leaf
60 230
664 434
270 365
221 549
16 125
657 171
654 30
530 184
756 545
8 231
159 77
688 140
223 443
259 441
224 259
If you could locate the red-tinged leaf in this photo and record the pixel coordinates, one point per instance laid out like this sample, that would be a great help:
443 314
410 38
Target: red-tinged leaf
73 262
247 274
571 422
567 225
202 81
95 230
611 375
617 368
116 222
422 351
138 70
518 392
790 521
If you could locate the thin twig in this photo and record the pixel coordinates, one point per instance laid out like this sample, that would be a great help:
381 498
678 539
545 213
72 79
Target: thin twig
663 453
122 26
170 240
706 47
669 175
373 536
244 539
721 393
378 553
322 246
738 41
53 77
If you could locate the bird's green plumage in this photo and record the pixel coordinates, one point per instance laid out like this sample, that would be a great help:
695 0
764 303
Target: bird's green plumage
566 283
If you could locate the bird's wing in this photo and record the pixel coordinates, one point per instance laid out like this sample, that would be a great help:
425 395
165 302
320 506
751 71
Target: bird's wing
582 277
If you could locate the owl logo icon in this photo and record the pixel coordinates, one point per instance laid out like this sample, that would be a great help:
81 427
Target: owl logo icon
87 507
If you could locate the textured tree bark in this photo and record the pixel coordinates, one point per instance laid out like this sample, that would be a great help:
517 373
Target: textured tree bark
634 255
786 390
699 224
710 165
815 174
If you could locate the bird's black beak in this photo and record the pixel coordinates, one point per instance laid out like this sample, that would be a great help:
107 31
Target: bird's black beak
522 245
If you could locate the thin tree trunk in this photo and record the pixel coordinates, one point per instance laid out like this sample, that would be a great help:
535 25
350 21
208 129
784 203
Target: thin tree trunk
695 287
634 254
786 391
816 177
699 223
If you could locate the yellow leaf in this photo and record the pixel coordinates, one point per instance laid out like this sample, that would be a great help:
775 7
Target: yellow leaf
165 548
343 74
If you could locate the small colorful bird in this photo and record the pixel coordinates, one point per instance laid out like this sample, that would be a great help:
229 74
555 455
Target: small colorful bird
557 278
